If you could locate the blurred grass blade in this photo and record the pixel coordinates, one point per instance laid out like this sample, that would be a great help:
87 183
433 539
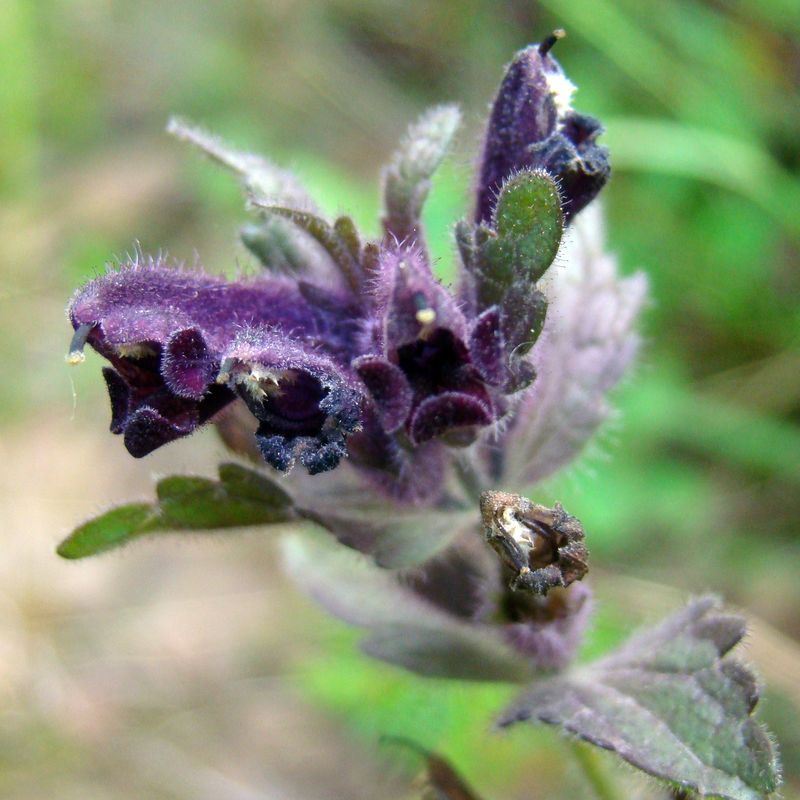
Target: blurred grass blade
675 82
664 409
650 145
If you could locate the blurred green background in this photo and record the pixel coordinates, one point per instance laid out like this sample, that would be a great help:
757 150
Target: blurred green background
192 669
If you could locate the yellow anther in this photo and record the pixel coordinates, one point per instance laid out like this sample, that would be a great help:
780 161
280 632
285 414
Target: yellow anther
75 357
426 316
135 350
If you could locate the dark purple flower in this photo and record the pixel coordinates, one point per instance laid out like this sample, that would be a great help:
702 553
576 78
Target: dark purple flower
418 362
304 401
356 349
166 332
532 126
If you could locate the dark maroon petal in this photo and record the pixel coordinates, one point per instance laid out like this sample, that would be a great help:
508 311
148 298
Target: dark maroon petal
438 362
119 394
580 164
146 430
305 401
188 367
449 413
487 346
389 389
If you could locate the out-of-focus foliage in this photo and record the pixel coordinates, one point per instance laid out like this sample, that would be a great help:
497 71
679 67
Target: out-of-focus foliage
697 485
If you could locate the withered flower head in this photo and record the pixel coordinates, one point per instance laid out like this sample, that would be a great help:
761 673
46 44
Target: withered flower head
541 547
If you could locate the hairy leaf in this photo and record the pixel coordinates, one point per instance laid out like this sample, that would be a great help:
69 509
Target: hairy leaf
407 179
112 529
239 498
588 342
337 240
529 223
260 178
404 629
670 703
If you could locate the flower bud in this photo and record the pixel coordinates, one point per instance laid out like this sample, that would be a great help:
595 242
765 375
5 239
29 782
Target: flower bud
533 126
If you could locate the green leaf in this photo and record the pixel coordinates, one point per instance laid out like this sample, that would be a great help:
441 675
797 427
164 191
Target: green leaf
240 498
274 242
670 703
112 529
196 503
407 179
528 224
337 240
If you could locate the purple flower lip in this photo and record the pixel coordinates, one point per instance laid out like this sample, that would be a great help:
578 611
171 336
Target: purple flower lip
157 393
305 402
167 332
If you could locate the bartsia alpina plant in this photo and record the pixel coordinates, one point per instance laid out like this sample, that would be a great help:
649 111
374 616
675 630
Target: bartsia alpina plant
408 420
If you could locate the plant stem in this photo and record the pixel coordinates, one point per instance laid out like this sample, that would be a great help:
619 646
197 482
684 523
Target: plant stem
469 478
595 772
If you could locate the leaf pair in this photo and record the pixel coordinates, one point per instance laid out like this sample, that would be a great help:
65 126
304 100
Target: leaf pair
670 702
241 497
